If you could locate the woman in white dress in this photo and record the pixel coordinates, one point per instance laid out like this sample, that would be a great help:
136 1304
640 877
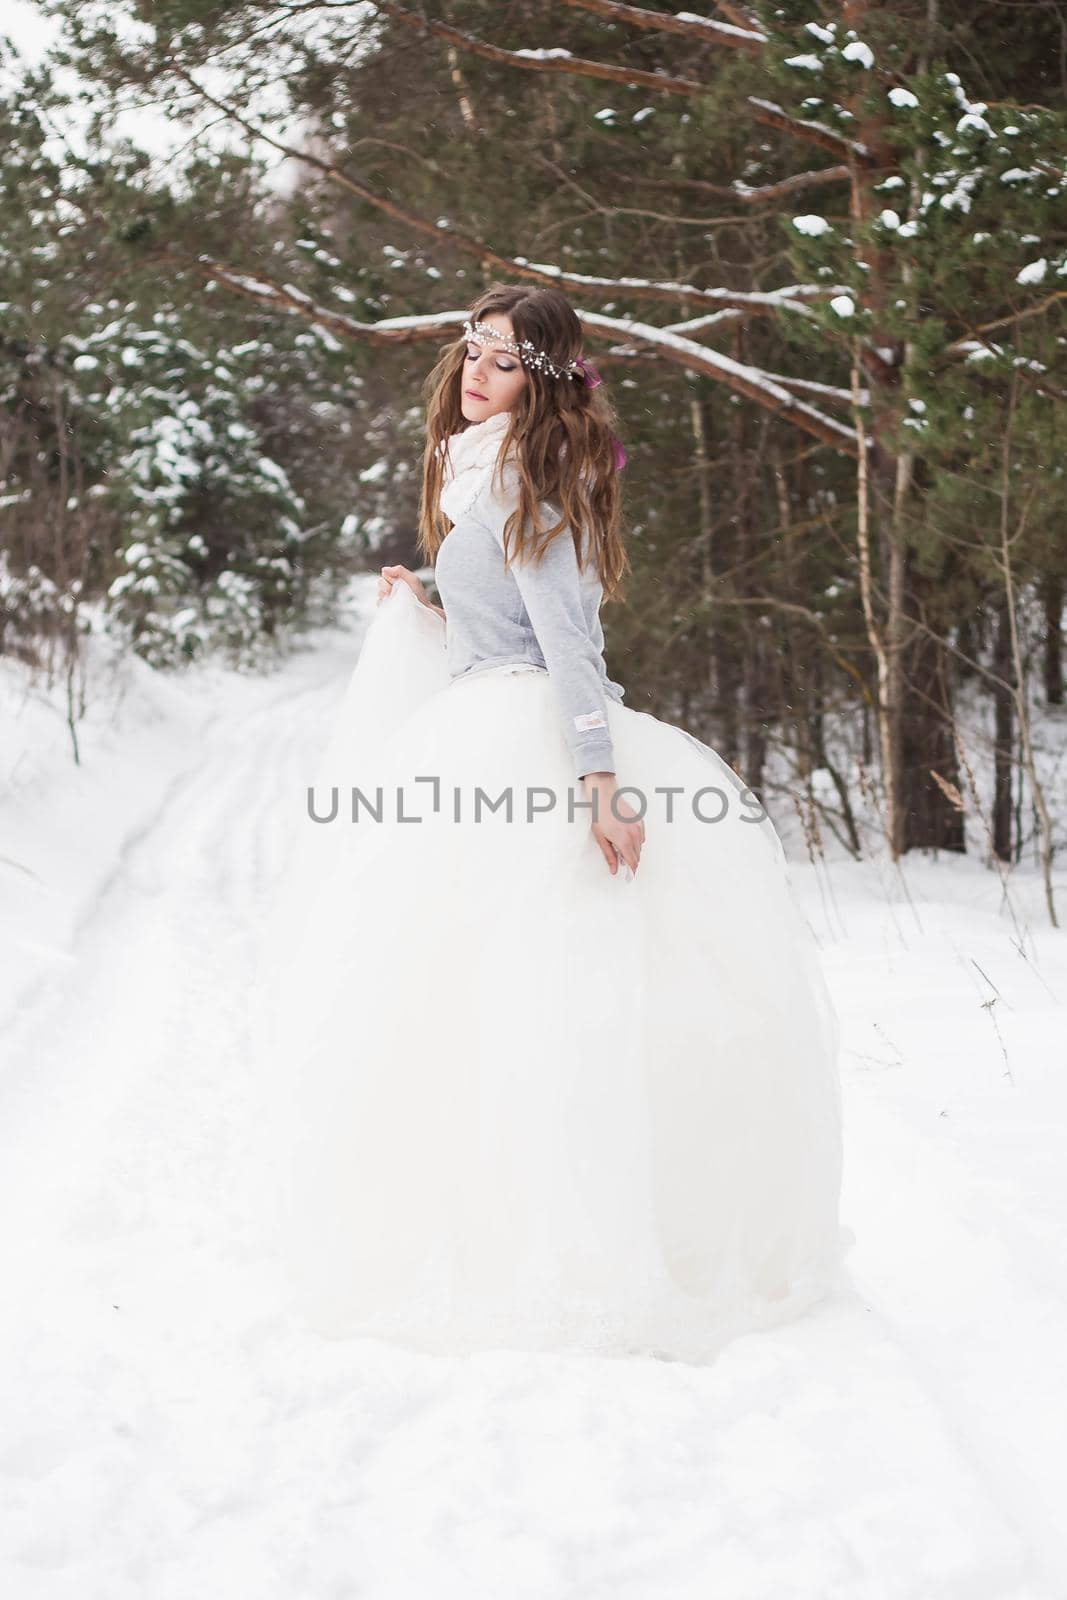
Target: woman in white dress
554 1065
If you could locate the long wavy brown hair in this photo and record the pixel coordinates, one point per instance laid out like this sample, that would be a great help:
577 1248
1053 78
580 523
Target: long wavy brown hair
560 437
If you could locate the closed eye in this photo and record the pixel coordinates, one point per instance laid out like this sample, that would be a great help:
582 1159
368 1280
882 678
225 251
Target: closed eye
472 355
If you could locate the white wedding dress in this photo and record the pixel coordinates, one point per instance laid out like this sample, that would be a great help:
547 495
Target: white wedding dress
517 1101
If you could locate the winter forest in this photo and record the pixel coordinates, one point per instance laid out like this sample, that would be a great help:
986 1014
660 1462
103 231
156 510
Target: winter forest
819 252
821 257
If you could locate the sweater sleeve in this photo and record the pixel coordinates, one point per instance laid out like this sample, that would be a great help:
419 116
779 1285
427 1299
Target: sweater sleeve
551 593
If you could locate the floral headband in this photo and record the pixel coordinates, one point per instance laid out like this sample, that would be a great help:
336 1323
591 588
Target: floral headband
483 333
528 353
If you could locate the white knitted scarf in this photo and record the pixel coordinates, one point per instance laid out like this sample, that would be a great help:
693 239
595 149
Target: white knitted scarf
469 459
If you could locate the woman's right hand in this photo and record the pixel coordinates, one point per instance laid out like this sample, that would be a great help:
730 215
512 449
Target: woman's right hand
391 575
617 828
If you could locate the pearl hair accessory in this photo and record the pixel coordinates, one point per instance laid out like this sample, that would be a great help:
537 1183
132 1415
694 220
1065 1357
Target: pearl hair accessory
528 353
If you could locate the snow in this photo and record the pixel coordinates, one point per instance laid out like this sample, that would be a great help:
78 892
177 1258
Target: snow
859 52
167 1430
811 225
843 305
271 469
824 34
1033 272
889 218
807 63
977 352
903 99
974 110
959 198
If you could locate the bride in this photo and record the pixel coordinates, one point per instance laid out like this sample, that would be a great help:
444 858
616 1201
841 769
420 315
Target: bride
552 1061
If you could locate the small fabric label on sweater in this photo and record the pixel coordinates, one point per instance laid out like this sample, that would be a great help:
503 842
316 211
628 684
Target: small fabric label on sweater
590 719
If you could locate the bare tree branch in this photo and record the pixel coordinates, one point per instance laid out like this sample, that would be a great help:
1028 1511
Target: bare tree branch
962 346
773 116
791 300
737 190
550 61
785 186
740 191
561 61
288 298
750 381
825 391
741 16
756 303
704 30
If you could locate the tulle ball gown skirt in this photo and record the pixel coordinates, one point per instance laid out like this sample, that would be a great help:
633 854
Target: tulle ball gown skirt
517 1101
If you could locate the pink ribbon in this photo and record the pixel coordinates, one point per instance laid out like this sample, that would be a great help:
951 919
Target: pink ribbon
587 368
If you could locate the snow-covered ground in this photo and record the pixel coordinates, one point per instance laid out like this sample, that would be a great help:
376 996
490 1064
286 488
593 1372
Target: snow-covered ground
167 1432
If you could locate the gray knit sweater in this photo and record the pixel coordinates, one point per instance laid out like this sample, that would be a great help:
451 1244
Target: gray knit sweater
546 614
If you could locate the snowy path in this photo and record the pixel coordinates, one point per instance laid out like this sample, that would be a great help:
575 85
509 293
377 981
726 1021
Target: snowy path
165 1432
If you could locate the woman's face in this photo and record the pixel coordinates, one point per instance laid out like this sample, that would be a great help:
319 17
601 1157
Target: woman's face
491 377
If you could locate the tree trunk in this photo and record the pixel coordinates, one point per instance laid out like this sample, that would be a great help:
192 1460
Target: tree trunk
929 820
1052 599
1004 737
